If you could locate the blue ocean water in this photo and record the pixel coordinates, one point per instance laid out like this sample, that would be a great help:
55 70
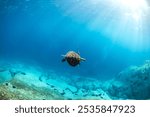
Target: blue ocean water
111 37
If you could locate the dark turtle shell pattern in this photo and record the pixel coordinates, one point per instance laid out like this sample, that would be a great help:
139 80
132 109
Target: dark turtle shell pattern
73 58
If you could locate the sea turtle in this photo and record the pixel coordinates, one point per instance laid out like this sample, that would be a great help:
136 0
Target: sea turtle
72 58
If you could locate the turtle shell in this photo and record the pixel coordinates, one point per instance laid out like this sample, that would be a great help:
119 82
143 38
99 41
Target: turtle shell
73 58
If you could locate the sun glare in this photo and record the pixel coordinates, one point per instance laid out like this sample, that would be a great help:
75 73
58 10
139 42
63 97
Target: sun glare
134 4
130 18
125 22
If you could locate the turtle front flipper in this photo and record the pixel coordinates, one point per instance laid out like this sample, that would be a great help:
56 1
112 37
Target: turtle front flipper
83 59
64 59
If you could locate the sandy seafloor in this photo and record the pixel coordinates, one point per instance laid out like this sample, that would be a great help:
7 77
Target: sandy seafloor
31 82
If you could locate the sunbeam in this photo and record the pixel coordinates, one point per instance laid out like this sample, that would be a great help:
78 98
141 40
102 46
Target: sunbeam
122 21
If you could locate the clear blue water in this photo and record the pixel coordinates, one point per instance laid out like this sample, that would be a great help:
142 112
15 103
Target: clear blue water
42 30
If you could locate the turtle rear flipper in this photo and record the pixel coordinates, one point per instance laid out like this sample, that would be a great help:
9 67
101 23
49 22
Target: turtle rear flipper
63 60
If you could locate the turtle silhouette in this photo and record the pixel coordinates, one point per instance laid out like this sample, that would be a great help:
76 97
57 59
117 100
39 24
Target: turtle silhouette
72 58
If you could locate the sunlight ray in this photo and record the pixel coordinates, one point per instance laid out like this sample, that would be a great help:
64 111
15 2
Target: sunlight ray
120 20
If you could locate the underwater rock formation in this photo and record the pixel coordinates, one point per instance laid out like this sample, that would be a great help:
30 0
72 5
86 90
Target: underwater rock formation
5 76
132 83
18 81
22 87
21 82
